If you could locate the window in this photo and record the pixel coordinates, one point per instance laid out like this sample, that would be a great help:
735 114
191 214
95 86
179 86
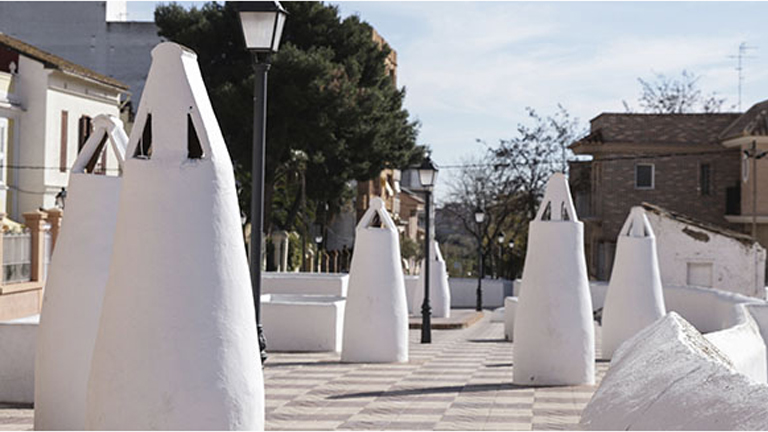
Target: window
63 150
84 129
705 179
644 176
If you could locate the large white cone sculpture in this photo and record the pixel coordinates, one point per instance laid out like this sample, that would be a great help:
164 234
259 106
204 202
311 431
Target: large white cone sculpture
75 286
177 345
439 292
376 315
553 332
635 299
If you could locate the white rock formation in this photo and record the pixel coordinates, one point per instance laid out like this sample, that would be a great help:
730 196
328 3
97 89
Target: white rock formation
554 334
439 290
376 315
177 345
75 285
634 299
669 377
510 308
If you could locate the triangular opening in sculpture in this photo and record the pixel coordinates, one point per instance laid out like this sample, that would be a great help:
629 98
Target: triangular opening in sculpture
144 149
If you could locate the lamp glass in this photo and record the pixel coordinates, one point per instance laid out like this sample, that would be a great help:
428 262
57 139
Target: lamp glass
318 239
511 244
479 216
259 29
501 239
427 177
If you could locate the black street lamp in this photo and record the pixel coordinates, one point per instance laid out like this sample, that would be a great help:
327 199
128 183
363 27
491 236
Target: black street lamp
479 218
501 259
427 177
262 24
319 242
511 260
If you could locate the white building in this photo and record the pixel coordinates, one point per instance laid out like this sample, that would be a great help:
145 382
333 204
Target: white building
46 107
695 253
94 34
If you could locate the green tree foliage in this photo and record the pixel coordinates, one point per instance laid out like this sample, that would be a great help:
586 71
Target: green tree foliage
330 97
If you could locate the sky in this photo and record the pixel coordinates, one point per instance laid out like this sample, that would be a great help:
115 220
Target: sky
471 68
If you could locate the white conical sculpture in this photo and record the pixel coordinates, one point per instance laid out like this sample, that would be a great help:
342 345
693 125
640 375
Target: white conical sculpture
376 313
177 345
553 330
439 293
75 285
635 299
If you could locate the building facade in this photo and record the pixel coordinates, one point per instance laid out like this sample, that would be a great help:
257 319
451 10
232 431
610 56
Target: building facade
675 161
46 107
96 35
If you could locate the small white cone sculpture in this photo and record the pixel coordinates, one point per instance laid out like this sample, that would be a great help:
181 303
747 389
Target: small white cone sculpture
635 299
439 291
376 313
177 345
75 286
553 330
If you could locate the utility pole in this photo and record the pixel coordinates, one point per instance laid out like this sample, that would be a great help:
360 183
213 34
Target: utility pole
742 55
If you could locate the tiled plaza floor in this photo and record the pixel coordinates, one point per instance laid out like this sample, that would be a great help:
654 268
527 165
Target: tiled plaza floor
462 381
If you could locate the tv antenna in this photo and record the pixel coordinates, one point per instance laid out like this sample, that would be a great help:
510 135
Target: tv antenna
743 47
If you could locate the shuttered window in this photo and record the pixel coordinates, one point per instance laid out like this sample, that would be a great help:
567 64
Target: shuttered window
63 150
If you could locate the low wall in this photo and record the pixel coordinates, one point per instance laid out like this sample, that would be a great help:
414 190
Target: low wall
411 285
329 284
464 292
18 341
510 307
302 323
691 385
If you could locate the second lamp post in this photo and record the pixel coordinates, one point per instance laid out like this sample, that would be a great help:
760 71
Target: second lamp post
479 219
427 177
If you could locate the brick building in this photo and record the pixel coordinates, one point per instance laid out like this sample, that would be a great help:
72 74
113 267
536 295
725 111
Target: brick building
675 161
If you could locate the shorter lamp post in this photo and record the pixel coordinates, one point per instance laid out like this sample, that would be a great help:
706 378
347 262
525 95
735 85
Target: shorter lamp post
61 198
262 24
479 218
511 260
499 266
427 176
319 241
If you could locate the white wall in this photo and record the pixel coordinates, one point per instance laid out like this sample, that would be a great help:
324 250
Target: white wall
333 284
735 266
464 292
18 339
302 323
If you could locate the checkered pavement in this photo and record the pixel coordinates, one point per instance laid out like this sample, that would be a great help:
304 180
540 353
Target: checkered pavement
462 381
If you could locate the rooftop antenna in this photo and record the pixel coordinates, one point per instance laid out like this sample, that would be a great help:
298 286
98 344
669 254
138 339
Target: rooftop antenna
743 47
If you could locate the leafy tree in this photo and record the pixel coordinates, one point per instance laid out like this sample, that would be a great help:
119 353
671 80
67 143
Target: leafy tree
669 95
330 97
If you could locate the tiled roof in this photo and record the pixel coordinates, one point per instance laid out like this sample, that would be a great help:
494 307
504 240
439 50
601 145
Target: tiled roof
57 62
657 128
744 238
754 122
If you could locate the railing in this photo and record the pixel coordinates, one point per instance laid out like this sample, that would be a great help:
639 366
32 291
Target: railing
25 259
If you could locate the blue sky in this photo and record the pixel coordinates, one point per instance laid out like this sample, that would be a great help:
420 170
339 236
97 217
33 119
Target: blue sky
471 68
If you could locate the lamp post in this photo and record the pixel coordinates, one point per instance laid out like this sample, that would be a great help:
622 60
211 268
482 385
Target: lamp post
511 260
479 218
61 198
427 176
262 25
319 241
501 260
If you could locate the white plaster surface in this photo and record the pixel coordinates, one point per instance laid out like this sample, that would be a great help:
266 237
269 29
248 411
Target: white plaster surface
439 290
634 299
376 315
302 323
669 377
736 266
510 308
498 314
17 359
411 286
553 330
177 345
328 284
464 292
75 287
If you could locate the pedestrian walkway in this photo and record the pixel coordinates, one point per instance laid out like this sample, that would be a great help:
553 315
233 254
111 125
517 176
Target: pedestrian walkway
462 381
